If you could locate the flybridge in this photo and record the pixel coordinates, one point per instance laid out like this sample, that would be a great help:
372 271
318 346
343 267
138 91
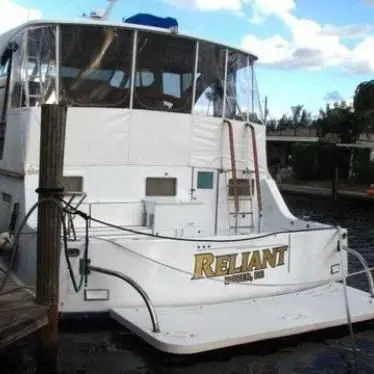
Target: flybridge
146 19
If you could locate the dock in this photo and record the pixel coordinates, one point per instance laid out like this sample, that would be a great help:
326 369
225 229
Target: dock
20 316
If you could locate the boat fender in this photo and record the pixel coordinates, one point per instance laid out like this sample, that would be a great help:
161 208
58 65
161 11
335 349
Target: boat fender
6 241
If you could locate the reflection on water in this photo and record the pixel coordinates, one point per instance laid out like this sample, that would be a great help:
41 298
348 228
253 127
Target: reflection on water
105 347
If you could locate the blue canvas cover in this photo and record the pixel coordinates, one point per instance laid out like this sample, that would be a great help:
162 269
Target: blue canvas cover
146 19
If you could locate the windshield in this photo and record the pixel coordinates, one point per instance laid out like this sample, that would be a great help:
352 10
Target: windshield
95 66
171 73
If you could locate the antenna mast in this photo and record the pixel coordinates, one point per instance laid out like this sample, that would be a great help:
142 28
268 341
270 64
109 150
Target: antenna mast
105 16
109 9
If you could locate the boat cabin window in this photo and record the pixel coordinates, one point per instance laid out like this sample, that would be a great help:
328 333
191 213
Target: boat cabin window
95 70
205 180
4 67
15 89
239 87
96 66
210 80
161 186
170 61
40 67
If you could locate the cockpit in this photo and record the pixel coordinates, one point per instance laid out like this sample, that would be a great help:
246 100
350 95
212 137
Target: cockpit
96 65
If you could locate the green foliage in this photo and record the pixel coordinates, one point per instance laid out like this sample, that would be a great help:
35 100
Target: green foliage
300 118
363 168
364 96
316 161
363 103
339 123
341 120
365 174
312 161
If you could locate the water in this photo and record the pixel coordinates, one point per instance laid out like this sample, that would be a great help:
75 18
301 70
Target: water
107 348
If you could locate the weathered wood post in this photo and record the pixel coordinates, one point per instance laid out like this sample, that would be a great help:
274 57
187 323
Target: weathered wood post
52 145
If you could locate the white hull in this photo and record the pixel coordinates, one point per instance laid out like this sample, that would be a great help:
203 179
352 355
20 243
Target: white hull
165 269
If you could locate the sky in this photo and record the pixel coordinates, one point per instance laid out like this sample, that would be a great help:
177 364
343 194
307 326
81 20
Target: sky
311 52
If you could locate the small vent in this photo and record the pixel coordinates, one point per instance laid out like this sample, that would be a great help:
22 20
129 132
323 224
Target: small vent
72 184
242 185
6 198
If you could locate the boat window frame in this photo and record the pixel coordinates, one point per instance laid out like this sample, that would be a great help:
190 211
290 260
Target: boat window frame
14 44
134 55
142 33
168 187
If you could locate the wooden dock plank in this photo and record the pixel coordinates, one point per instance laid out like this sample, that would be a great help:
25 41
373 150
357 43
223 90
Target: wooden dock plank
20 316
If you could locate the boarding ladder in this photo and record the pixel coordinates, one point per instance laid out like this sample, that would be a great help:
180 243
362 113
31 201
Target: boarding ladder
239 192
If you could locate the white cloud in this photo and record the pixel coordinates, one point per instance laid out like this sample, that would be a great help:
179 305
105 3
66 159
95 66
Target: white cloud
333 97
12 14
312 45
209 5
269 7
348 31
270 51
260 7
362 58
307 47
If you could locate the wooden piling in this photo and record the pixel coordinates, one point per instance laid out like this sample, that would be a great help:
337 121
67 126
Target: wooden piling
52 146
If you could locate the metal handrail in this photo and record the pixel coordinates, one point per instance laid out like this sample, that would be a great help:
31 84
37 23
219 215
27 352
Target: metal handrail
256 165
70 210
365 266
233 164
72 195
137 287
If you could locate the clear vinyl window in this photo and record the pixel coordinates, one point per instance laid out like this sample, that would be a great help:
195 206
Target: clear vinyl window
170 60
96 66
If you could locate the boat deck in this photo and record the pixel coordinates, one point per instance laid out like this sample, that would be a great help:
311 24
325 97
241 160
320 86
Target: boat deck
193 329
20 316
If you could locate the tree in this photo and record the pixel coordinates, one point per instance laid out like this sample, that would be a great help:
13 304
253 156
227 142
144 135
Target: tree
364 96
363 103
341 120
